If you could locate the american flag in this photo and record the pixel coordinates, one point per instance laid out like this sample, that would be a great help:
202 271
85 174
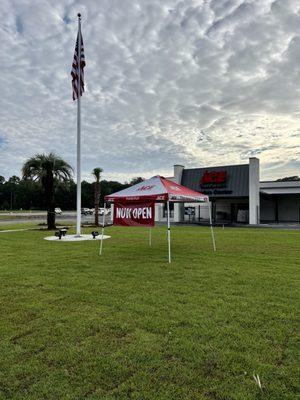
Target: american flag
75 69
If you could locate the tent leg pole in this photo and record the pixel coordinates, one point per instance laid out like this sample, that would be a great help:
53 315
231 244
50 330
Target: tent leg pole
211 227
169 230
150 237
102 231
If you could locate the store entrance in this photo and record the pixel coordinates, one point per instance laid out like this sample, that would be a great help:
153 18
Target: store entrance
231 211
240 213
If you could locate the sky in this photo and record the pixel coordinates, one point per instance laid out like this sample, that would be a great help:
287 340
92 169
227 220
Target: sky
192 82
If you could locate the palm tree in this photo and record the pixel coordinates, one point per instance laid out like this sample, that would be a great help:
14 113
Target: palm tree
97 174
47 168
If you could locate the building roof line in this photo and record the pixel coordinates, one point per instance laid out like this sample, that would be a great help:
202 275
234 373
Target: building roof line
216 166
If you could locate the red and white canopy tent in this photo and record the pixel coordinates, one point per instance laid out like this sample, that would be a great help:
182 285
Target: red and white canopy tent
134 206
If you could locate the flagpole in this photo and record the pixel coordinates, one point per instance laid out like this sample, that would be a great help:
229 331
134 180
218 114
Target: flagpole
78 219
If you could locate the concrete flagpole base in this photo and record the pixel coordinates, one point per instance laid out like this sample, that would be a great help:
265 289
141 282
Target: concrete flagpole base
75 238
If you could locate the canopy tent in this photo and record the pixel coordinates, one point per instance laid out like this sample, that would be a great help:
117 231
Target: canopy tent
158 190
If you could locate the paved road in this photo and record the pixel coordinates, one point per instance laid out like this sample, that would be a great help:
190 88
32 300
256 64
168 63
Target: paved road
40 217
35 214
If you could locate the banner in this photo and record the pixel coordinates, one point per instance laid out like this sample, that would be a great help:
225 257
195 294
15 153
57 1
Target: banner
136 214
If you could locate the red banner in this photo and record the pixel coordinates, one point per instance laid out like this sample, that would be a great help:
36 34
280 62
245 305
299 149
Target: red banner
135 214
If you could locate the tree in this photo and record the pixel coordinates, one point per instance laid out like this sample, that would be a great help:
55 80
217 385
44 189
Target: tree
97 175
2 180
13 183
65 195
48 169
15 180
289 179
87 194
136 180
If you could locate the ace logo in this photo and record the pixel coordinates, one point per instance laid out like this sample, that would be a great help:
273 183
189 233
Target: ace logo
148 187
214 178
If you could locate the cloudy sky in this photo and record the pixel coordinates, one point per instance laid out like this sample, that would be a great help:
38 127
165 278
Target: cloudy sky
192 82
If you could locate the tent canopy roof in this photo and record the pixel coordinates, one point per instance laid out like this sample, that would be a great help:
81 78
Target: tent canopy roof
158 189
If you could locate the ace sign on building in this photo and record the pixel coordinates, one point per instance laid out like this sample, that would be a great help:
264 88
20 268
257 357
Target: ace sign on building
139 214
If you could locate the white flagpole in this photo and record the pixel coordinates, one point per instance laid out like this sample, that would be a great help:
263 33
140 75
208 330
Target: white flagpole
169 230
78 219
211 227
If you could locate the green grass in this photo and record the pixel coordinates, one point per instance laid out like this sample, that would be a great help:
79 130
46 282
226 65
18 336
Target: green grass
14 225
16 215
10 217
31 224
128 325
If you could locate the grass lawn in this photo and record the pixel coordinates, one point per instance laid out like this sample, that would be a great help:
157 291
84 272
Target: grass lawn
30 224
130 326
17 215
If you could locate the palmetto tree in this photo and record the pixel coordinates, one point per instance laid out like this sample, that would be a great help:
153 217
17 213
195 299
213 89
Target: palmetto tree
97 175
47 168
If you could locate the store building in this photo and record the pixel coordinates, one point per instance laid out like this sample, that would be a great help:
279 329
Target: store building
237 196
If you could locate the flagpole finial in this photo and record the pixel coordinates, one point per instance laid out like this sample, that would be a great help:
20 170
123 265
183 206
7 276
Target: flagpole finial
79 15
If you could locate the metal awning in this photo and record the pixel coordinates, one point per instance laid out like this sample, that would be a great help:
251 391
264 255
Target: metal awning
289 190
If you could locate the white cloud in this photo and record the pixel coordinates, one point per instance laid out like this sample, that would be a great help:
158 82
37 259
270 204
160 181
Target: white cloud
197 82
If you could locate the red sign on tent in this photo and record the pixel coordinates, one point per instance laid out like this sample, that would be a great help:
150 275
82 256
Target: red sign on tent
134 214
